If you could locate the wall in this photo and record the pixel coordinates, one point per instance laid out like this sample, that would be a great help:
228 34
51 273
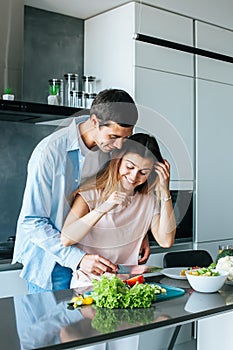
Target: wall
17 141
11 46
53 46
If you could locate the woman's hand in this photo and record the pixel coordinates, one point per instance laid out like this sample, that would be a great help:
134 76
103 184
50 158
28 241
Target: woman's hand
144 251
116 198
163 171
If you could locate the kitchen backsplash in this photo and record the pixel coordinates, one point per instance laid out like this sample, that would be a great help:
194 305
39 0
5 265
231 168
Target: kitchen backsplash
17 142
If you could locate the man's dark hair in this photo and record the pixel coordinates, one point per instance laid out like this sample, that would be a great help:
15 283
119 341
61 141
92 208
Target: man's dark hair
115 105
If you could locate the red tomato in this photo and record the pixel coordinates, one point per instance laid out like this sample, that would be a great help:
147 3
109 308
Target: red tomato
137 279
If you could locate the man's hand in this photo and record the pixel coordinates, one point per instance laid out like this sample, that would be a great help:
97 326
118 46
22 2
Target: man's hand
97 265
144 251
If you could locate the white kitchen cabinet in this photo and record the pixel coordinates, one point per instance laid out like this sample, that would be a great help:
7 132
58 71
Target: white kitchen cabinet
215 332
159 79
109 48
110 52
214 125
167 111
214 168
11 284
219 40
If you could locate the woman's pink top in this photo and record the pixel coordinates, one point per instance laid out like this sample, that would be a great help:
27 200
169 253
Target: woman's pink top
118 235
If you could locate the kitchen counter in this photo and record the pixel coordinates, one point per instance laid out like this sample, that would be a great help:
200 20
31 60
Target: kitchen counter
6 265
41 321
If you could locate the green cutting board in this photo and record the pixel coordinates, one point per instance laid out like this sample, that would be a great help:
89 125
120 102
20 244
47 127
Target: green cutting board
172 292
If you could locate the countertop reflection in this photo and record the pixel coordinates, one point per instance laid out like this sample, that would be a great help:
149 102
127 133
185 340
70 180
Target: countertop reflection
44 320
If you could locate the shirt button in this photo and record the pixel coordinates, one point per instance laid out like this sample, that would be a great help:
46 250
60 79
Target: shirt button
76 180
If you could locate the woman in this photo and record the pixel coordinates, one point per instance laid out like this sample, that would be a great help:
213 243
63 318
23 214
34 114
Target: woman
112 212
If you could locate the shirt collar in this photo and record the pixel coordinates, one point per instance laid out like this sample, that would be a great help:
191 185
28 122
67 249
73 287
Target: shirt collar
73 141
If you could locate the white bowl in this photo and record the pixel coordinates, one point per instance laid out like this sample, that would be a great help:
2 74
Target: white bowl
207 284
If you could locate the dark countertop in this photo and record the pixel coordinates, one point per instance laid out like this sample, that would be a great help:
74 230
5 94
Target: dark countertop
5 265
42 321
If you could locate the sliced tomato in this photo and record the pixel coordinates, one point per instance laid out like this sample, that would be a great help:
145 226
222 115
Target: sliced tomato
137 279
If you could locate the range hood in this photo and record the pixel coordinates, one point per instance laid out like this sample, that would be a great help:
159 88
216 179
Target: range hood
11 46
29 112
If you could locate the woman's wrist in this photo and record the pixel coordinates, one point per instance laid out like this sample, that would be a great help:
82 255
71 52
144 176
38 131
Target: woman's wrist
99 211
166 199
166 196
103 208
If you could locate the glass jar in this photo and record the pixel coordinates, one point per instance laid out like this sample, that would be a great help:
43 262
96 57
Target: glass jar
76 98
71 84
56 88
88 99
89 84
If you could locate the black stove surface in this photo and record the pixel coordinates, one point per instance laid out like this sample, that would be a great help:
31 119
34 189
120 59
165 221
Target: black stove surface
7 248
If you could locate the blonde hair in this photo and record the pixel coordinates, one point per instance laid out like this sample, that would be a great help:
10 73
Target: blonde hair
107 181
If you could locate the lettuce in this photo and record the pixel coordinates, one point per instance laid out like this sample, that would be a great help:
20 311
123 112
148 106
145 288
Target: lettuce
113 293
107 320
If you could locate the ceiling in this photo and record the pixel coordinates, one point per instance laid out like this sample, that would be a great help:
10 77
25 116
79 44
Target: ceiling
211 11
77 8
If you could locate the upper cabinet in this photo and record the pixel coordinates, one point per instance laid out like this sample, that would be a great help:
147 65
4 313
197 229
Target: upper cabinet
215 39
163 25
109 48
160 79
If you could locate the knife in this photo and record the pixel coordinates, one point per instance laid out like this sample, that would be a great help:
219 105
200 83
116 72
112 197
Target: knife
137 269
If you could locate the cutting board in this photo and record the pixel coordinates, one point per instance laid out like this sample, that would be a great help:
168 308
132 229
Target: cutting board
172 292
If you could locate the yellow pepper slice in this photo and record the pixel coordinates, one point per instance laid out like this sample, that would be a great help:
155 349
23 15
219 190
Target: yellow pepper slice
87 300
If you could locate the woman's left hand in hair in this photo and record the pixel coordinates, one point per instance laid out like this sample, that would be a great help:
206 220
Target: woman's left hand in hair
163 171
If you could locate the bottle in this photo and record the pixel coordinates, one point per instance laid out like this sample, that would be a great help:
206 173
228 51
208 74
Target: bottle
224 247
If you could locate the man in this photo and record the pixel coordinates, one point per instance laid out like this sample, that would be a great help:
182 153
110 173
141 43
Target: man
55 170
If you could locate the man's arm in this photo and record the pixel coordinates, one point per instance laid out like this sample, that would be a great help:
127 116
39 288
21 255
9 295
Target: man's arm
43 208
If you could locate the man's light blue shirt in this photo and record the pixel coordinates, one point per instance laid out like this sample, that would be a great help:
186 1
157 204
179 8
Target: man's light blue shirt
53 174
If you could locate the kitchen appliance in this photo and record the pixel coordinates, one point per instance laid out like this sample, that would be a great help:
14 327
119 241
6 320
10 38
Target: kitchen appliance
182 201
30 112
7 248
